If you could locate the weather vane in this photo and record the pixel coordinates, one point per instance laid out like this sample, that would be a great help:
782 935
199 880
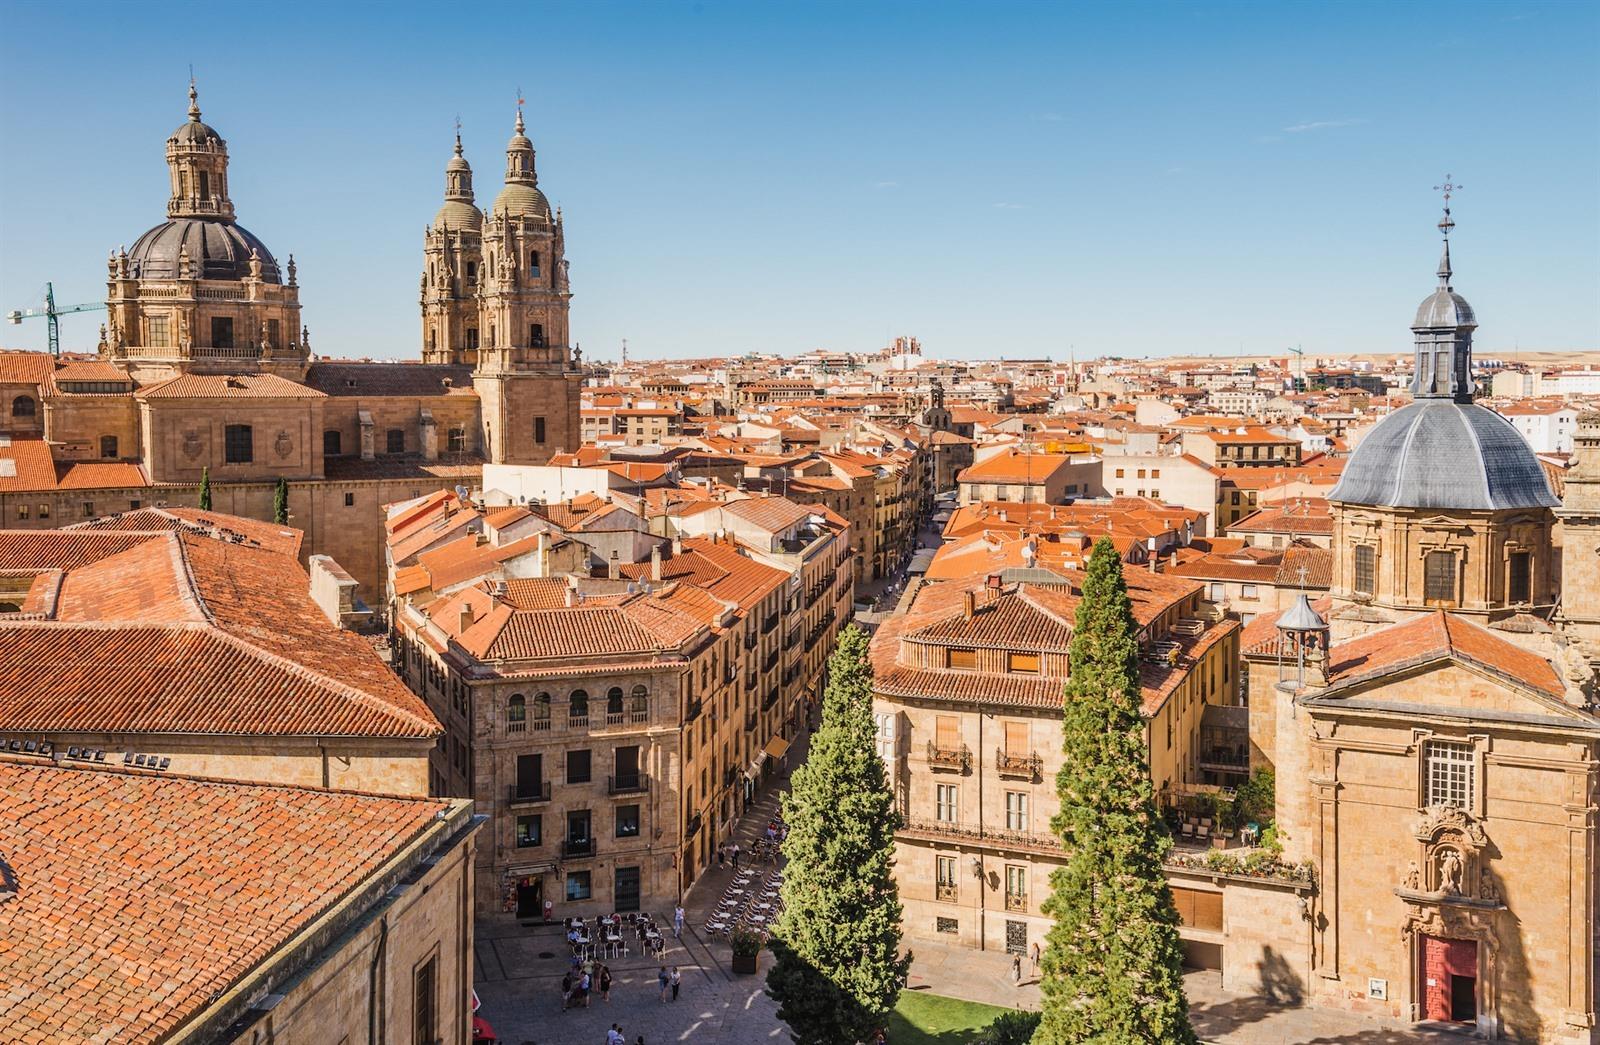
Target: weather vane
1449 189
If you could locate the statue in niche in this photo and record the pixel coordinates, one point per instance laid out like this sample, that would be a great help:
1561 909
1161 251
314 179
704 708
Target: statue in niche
1450 872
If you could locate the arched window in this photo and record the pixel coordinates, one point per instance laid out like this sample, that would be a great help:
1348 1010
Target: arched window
517 713
541 711
238 444
330 443
639 704
614 705
533 263
23 406
578 711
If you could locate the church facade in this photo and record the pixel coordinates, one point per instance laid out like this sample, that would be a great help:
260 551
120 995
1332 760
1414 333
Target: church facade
205 369
1434 731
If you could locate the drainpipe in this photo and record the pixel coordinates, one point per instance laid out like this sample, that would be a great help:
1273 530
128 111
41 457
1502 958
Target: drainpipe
983 872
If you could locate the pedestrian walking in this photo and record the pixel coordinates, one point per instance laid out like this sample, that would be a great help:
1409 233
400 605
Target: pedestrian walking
677 922
605 983
1016 969
1036 957
735 850
614 1036
722 856
566 991
663 979
584 983
677 981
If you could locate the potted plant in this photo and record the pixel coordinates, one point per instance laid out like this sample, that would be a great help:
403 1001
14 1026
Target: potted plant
746 951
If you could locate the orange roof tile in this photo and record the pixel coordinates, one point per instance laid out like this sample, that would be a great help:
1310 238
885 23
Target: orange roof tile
1437 636
228 386
140 899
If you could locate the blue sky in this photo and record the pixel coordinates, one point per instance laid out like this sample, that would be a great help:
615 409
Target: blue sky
996 179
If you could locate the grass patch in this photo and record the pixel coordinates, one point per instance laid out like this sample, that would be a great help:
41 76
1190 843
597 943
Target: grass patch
932 1019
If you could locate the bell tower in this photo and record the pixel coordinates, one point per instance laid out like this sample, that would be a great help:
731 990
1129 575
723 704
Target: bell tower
525 374
197 160
1580 529
452 263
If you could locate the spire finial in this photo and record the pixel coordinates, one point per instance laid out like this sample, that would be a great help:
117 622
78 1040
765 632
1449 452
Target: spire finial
458 134
1449 189
520 127
194 98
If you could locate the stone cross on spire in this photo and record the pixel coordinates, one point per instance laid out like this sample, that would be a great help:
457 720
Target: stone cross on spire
1449 189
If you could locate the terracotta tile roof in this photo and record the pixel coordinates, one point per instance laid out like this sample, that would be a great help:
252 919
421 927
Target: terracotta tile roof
25 368
178 631
227 386
26 464
1307 515
140 899
772 514
1014 467
462 561
1434 637
100 475
1261 636
282 539
1318 564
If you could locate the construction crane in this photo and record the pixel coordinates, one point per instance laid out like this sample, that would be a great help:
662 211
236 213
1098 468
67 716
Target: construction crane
52 314
1300 368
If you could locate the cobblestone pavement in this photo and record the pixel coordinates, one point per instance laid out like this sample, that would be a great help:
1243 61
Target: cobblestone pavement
519 974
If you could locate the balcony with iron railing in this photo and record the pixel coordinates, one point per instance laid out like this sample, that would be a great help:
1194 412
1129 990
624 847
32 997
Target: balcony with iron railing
768 624
770 662
976 834
958 757
1018 764
770 699
751 717
692 712
520 796
627 784
575 847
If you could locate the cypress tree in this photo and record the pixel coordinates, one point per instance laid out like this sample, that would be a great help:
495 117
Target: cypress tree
205 489
1112 970
280 503
838 968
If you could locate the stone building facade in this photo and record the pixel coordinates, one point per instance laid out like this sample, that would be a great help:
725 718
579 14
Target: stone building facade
205 367
968 702
1432 725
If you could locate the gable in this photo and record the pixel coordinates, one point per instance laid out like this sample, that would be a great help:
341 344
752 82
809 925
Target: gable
1453 687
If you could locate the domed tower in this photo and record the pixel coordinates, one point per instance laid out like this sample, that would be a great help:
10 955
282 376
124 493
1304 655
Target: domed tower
524 285
525 376
452 257
1443 504
199 291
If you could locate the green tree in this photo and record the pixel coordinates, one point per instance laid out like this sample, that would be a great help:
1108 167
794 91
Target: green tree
205 489
1112 967
280 503
837 968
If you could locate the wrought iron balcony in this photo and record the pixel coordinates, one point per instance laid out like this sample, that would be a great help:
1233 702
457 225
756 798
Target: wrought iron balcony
1018 764
976 834
692 712
623 785
957 758
528 795
577 847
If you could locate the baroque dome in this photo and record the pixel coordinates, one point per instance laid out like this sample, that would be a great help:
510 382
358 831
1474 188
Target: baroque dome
217 250
1444 308
1439 453
458 216
520 200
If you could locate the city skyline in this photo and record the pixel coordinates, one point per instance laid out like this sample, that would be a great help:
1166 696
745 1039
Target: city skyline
993 184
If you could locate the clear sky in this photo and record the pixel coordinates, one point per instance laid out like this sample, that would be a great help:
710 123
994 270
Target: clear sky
996 179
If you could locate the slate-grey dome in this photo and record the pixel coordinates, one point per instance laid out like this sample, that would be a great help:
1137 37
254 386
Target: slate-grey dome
1439 453
217 250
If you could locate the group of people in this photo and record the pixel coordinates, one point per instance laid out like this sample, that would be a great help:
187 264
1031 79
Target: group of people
581 981
670 982
614 1036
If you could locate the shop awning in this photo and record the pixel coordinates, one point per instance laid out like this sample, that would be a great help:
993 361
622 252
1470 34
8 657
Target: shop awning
776 747
755 766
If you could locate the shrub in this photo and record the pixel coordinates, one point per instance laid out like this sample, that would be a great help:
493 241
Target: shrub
1010 1028
746 943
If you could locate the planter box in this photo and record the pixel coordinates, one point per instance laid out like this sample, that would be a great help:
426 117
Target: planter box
746 965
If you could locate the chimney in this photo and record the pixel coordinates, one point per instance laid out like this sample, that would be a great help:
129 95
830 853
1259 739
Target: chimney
571 596
677 545
655 563
971 600
613 570
334 592
465 621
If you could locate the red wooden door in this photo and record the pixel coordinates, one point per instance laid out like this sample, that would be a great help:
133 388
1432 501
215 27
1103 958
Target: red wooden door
1449 970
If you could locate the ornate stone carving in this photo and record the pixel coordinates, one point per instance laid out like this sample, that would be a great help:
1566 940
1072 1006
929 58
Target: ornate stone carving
283 446
192 446
1450 865
1436 821
1413 878
1487 890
